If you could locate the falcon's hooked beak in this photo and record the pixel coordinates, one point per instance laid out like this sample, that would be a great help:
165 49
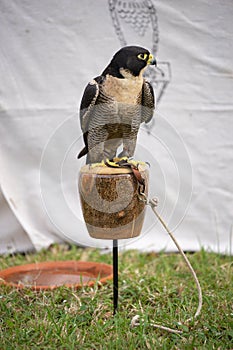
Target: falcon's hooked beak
151 60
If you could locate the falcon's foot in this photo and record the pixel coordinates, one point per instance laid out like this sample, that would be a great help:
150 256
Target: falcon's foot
112 163
124 162
118 163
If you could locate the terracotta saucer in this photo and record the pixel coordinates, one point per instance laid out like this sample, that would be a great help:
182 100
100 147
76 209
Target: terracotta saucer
50 275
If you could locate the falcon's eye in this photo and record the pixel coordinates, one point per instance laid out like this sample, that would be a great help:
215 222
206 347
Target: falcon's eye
143 56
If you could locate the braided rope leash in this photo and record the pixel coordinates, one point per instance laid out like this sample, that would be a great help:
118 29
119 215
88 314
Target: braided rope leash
136 319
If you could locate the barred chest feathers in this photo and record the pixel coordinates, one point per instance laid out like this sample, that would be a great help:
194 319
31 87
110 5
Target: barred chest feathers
127 90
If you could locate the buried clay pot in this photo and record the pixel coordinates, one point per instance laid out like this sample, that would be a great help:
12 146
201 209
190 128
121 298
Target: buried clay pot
50 275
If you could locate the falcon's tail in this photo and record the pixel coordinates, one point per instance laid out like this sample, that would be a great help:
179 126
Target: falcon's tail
82 153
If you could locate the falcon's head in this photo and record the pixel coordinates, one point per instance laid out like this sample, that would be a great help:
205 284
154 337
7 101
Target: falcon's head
132 59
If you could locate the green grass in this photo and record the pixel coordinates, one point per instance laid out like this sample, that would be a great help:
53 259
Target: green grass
158 287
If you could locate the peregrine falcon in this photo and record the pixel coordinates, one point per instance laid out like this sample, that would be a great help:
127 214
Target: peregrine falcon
114 105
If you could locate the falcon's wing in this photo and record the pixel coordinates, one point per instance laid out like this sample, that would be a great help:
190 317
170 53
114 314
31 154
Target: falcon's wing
88 103
89 98
148 102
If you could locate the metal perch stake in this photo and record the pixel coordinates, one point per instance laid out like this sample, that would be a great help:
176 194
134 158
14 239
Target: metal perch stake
115 276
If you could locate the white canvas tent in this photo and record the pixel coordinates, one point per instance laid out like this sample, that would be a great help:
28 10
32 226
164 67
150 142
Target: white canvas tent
49 51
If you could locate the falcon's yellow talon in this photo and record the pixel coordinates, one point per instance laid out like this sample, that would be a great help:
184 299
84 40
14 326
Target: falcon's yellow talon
123 161
112 164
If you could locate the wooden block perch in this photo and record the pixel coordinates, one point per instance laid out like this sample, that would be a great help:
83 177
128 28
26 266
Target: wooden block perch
110 203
